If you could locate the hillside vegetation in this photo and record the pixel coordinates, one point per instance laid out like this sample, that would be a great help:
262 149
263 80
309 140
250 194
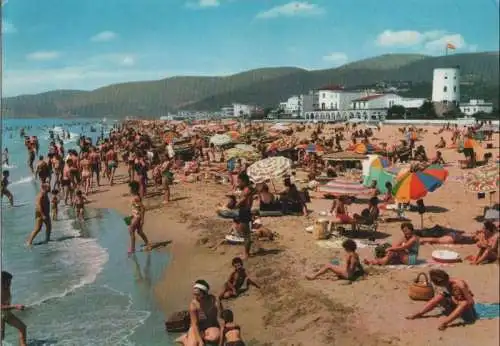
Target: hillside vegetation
264 87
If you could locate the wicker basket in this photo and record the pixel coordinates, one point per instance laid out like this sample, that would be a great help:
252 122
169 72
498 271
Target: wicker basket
421 289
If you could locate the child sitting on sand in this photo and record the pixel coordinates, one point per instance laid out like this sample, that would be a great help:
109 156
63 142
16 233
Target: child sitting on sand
352 269
79 204
54 204
231 332
238 282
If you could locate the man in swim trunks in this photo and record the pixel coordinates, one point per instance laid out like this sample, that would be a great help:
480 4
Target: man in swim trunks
95 165
43 170
112 164
42 215
244 206
7 307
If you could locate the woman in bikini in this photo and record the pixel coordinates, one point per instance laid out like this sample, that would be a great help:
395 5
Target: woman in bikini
404 251
86 174
57 163
454 297
137 222
204 312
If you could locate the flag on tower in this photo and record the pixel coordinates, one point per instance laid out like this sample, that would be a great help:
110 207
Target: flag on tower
450 46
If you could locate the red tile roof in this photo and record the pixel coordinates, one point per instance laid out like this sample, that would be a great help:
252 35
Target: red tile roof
332 87
370 97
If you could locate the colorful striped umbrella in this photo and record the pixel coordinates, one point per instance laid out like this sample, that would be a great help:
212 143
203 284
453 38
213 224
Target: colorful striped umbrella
415 185
380 163
270 168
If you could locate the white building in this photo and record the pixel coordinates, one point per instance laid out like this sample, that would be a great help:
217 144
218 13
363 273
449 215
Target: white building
292 106
446 85
476 106
238 110
330 103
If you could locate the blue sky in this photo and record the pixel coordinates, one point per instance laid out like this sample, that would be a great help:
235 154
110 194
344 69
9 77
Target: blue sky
85 44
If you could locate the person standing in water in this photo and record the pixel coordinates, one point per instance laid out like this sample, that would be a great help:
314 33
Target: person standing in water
137 221
42 215
7 316
43 170
5 157
5 191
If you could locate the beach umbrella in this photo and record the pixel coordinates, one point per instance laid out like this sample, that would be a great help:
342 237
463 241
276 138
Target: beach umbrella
233 134
244 154
416 184
245 147
343 188
315 148
270 168
219 140
362 148
483 179
377 171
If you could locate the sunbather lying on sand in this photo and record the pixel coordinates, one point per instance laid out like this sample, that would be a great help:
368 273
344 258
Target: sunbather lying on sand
352 268
454 297
404 251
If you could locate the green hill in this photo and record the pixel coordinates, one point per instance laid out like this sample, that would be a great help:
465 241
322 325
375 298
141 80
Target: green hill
265 87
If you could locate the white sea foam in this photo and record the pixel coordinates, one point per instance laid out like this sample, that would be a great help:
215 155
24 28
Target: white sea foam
23 180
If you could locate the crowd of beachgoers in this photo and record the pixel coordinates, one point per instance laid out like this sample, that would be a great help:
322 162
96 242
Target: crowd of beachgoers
281 171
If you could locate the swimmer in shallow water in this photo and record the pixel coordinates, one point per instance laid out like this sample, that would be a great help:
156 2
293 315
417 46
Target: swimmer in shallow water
4 190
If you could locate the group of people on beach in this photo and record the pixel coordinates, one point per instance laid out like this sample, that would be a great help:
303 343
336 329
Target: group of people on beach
77 173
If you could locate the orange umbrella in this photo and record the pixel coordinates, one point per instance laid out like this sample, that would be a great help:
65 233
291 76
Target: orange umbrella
233 134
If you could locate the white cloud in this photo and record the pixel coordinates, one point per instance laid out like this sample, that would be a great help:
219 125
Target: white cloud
399 38
336 58
43 55
473 48
104 36
200 4
8 27
292 9
115 59
432 42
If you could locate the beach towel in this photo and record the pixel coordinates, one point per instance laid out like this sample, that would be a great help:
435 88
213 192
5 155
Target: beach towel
487 311
421 263
337 243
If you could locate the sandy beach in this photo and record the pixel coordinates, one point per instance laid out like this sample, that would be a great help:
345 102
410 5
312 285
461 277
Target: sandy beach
290 310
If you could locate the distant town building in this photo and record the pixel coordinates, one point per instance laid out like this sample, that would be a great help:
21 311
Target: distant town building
476 106
239 110
292 106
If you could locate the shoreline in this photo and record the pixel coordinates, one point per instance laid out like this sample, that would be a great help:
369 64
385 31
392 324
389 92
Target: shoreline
290 310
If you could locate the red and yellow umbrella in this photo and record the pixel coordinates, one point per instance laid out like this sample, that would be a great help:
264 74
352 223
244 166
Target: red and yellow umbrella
416 184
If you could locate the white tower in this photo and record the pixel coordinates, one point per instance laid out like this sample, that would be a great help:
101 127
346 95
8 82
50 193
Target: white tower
446 85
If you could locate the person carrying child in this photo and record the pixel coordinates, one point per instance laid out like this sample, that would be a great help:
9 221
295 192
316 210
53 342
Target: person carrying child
238 282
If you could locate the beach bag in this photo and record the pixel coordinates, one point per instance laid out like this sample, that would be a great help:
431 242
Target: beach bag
421 290
178 322
381 249
320 231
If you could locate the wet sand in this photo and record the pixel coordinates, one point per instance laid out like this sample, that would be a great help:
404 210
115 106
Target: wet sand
290 310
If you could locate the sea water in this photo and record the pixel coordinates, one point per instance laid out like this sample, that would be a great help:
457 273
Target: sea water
81 288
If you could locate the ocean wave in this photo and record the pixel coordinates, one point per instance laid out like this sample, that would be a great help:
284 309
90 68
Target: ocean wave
23 180
4 166
80 257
